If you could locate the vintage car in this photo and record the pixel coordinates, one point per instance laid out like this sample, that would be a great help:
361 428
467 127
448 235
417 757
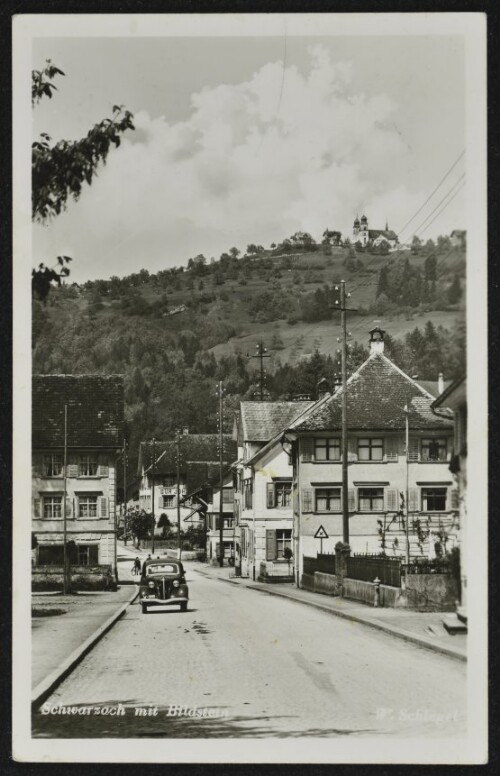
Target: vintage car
163 584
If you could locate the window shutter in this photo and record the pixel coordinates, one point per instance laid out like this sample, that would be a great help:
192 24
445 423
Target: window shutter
351 500
271 545
103 466
104 506
307 449
93 555
413 449
36 507
270 495
72 470
69 510
307 500
391 500
413 505
37 464
454 498
352 449
391 449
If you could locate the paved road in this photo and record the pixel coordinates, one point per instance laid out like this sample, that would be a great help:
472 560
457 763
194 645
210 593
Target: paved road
252 665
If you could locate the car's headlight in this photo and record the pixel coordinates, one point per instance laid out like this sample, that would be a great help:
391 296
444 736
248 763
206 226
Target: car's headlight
176 583
151 584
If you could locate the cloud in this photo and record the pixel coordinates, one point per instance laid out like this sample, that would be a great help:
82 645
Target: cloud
254 162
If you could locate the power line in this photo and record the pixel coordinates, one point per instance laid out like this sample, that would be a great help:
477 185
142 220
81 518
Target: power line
432 193
440 203
445 206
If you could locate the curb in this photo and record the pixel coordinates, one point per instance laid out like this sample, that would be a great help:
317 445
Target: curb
53 680
420 641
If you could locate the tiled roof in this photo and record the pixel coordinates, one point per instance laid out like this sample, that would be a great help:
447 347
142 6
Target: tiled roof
199 451
387 233
262 420
376 396
95 410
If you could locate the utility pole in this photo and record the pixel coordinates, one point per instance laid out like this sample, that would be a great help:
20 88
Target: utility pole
407 489
345 447
125 492
178 490
153 496
221 476
65 527
261 354
345 504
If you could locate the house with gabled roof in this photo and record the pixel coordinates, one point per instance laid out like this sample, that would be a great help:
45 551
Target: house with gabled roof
198 465
80 418
380 397
263 485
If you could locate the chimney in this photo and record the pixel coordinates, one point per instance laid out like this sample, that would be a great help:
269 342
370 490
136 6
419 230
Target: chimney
440 383
376 340
322 388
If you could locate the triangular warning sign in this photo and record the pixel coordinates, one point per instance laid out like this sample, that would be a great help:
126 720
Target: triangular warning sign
321 533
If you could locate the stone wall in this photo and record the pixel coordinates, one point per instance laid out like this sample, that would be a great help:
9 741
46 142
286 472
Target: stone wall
82 578
359 590
429 592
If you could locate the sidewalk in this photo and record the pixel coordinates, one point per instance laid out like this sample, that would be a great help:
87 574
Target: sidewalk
55 638
422 628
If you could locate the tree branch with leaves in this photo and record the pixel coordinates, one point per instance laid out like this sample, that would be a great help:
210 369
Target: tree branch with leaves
60 170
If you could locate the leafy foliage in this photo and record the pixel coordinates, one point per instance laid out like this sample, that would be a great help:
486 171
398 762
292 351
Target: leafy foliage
60 169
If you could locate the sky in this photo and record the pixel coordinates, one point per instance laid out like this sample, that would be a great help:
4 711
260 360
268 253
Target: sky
244 140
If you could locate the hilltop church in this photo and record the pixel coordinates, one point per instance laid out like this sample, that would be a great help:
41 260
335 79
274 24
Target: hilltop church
362 234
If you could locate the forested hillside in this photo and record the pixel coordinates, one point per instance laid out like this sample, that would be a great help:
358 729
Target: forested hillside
176 333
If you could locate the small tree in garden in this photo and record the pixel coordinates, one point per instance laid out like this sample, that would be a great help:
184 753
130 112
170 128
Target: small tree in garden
288 555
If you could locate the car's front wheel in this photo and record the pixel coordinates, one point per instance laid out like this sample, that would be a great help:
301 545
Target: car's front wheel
184 606
144 608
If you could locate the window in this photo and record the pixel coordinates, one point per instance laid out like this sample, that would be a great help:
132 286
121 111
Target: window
52 506
168 481
327 449
168 501
283 540
327 499
371 499
434 449
370 449
52 465
87 506
227 495
247 494
282 494
227 522
87 555
50 555
433 499
88 466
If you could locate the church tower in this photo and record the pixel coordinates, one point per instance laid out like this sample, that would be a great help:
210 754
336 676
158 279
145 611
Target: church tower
355 230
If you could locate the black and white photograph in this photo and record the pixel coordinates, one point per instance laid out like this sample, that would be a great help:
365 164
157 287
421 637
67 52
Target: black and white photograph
250 407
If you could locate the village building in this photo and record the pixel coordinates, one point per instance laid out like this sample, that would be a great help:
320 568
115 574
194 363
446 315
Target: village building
363 235
213 512
454 397
262 497
380 400
332 237
79 417
178 469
